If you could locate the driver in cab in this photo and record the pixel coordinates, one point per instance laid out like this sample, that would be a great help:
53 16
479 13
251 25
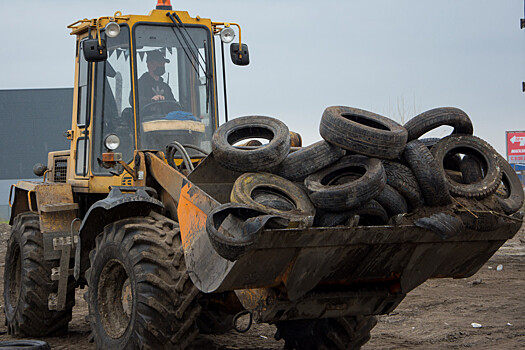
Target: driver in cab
151 86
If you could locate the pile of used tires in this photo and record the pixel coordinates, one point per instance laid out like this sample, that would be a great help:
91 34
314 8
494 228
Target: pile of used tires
368 170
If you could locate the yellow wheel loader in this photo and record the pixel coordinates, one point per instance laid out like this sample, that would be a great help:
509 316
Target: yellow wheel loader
125 211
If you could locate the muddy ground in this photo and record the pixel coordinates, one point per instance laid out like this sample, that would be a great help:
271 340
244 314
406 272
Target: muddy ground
437 315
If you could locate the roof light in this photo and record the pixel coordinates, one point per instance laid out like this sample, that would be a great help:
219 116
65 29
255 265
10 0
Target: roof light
227 35
112 29
164 5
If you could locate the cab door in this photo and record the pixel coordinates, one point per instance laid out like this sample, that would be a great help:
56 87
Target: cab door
81 137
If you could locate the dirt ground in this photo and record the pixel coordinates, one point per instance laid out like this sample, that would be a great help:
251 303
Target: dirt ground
437 315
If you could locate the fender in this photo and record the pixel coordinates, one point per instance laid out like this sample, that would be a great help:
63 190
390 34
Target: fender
122 202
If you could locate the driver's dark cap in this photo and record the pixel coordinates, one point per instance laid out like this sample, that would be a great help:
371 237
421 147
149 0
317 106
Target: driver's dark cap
156 56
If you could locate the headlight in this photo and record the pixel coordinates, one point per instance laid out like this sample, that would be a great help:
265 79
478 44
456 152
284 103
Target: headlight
227 35
112 142
112 29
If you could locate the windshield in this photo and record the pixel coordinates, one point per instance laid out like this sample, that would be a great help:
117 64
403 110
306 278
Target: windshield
173 94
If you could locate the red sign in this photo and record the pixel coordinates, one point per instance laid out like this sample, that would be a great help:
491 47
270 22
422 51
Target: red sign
516 146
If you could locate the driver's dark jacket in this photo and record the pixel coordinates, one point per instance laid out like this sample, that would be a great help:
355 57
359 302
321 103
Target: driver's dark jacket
149 87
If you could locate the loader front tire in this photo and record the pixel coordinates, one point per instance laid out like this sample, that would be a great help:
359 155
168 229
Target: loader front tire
140 295
344 333
27 283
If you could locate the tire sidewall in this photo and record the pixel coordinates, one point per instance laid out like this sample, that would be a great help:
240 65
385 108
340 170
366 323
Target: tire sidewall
107 253
257 159
15 240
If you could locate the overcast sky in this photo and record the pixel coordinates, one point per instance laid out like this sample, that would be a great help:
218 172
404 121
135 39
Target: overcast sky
396 58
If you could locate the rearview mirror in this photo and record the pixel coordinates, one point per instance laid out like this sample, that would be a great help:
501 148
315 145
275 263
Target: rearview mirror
93 52
240 55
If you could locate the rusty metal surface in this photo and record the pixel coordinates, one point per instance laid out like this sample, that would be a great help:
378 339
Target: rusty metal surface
267 307
213 179
52 201
60 195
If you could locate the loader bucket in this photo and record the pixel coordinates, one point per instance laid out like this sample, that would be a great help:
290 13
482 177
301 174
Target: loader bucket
301 260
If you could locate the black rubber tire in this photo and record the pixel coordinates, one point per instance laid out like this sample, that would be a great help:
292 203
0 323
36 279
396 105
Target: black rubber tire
331 218
232 243
24 345
27 283
483 152
452 162
363 132
255 158
274 195
434 118
301 163
404 181
147 252
471 170
344 333
442 224
429 141
429 173
513 201
370 214
392 201
326 194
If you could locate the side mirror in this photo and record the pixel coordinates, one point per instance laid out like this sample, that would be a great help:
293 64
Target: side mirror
240 55
93 52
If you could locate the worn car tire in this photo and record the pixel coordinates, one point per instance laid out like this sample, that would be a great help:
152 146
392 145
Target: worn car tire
327 193
143 258
434 118
344 333
429 141
483 152
254 158
513 200
429 173
401 178
392 201
24 345
451 162
369 214
305 161
363 132
27 283
274 195
442 224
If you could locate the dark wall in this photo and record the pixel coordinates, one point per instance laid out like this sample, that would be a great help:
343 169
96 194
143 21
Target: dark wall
33 123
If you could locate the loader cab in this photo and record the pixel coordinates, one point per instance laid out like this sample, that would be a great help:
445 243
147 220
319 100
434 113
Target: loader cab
153 94
141 85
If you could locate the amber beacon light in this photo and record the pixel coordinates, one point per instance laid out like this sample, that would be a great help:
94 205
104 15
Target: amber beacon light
164 5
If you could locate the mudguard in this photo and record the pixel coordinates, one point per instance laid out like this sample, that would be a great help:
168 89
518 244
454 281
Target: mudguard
122 202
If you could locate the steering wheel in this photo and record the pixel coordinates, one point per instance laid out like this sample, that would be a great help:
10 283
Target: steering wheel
160 108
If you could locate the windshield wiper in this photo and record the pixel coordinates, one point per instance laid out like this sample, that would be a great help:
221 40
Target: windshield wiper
187 50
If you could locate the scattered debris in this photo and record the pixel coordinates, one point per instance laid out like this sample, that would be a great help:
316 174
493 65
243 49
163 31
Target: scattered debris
476 325
262 336
499 268
476 282
509 324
